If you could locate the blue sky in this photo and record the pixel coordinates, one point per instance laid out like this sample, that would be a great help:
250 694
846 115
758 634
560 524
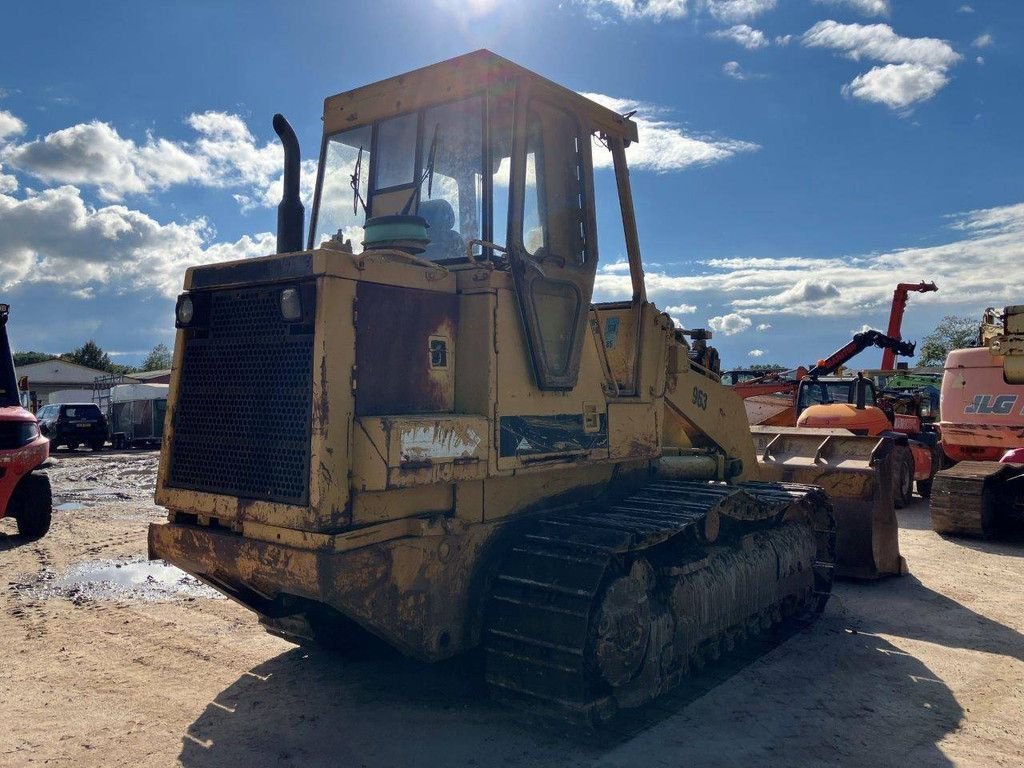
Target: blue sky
797 158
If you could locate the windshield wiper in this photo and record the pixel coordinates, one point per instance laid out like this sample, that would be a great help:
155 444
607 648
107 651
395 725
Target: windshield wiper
356 197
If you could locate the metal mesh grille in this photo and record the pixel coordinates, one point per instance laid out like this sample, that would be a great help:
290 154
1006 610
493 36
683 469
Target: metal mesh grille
242 420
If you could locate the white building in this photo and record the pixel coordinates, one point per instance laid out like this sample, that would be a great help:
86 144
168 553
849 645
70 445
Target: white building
70 382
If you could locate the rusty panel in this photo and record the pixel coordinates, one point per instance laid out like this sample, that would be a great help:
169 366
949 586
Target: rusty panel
396 372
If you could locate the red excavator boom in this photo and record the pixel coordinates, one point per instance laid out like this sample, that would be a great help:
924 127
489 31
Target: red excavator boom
899 304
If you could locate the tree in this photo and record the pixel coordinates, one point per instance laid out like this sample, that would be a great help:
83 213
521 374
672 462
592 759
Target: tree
767 367
157 360
91 355
953 332
27 358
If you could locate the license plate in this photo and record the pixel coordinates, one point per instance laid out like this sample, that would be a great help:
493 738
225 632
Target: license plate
83 424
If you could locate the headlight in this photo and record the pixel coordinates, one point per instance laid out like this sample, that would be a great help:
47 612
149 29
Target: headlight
291 304
925 410
185 311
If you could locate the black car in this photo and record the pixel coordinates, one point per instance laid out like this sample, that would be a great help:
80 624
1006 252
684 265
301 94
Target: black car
73 424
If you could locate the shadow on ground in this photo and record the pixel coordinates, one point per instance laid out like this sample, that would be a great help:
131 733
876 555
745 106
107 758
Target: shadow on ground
12 540
835 693
1009 541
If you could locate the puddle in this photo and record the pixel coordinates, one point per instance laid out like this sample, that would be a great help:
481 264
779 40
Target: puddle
148 580
69 506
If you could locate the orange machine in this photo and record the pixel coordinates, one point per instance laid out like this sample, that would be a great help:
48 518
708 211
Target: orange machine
805 398
982 427
24 492
855 405
774 399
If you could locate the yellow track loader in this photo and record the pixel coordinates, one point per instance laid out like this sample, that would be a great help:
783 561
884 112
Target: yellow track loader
420 426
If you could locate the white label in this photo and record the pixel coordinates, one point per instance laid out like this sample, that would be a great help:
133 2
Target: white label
439 442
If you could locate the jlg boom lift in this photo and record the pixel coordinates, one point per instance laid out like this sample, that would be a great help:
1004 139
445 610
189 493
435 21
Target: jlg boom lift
421 427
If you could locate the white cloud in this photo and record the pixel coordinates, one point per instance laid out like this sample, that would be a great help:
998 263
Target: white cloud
881 43
865 7
965 9
755 353
730 324
655 10
10 125
681 309
95 154
738 10
979 60
664 145
915 67
54 237
615 267
744 35
8 183
734 70
764 326
728 11
983 41
970 269
897 85
803 293
225 154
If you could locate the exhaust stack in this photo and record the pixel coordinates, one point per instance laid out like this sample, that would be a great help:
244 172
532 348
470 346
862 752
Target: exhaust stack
290 213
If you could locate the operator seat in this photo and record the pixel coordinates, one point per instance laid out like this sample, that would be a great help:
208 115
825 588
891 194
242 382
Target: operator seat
445 241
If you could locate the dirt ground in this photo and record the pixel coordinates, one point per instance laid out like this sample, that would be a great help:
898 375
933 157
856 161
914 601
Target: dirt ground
109 662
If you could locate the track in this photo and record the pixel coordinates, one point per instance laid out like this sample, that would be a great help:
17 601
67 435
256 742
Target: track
977 498
603 608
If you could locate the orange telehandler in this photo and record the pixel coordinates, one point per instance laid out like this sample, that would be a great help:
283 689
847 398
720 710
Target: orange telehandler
810 398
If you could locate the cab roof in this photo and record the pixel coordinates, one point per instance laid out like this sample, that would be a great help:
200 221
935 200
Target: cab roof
454 79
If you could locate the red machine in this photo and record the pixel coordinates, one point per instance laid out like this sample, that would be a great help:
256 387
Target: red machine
899 304
24 491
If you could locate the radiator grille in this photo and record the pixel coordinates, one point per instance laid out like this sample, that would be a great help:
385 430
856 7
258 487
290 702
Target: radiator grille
242 419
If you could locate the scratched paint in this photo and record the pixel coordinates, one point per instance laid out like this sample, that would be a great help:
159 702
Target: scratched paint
439 442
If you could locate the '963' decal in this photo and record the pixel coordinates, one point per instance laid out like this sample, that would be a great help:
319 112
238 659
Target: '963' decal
994 405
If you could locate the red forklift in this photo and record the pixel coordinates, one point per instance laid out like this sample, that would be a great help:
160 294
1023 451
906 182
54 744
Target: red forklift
24 489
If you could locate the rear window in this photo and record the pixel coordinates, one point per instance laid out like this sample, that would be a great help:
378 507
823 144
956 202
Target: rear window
81 411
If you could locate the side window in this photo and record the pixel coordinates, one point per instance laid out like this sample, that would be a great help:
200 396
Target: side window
554 220
500 113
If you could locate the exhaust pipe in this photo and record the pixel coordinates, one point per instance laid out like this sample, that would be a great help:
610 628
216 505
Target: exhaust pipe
290 213
862 388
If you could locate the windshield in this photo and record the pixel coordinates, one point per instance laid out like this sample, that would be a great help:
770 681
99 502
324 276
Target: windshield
428 163
828 392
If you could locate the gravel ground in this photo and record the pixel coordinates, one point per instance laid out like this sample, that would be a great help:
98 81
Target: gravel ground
109 661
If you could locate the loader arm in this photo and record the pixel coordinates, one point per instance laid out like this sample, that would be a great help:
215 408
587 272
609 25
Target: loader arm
701 413
858 344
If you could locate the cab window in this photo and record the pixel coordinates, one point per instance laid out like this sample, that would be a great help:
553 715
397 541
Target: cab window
554 221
